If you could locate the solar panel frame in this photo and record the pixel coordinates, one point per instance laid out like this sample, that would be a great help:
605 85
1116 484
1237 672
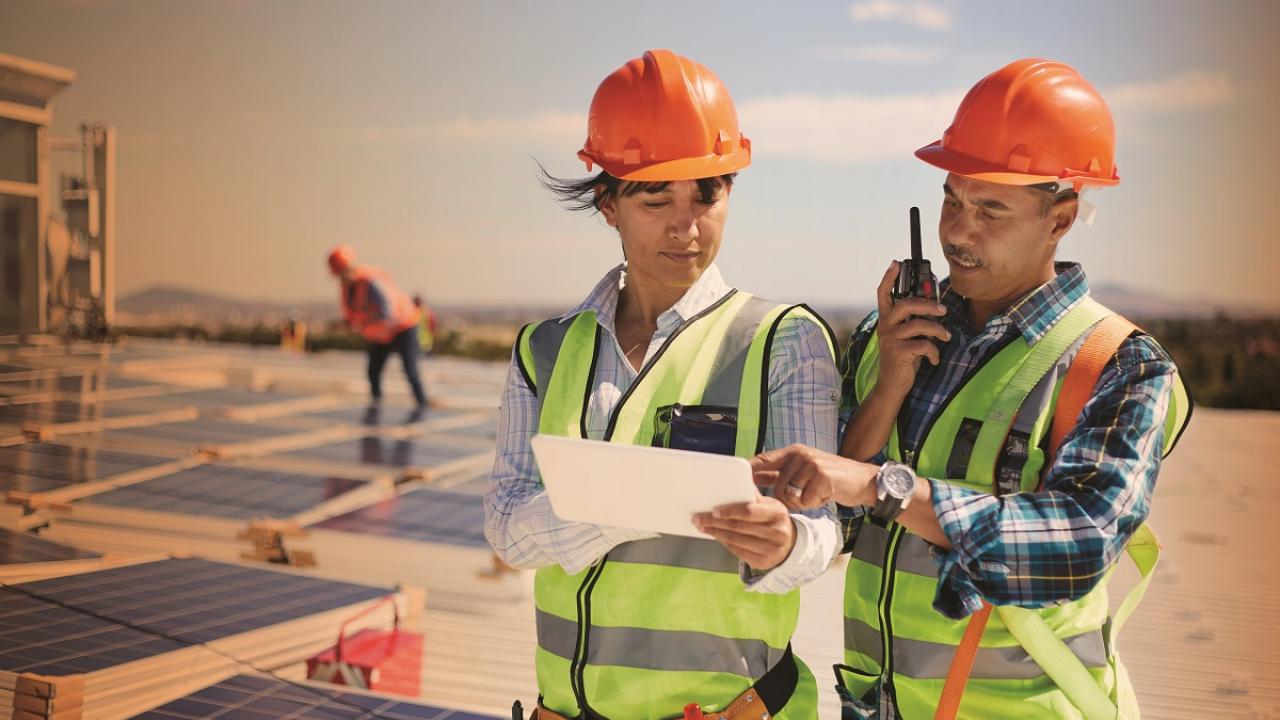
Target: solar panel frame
22 547
47 467
420 452
231 492
251 697
423 515
202 602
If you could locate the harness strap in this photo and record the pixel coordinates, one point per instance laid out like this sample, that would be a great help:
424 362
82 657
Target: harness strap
1049 651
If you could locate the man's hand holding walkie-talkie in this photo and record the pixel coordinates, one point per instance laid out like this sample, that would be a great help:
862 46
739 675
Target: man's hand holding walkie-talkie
908 328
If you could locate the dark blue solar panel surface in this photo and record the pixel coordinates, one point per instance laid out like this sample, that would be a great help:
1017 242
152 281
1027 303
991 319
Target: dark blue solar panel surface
202 431
21 547
248 697
424 452
228 398
59 411
424 514
42 467
89 382
229 491
487 429
386 415
194 600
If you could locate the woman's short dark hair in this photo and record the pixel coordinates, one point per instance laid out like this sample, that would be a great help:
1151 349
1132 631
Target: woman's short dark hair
579 194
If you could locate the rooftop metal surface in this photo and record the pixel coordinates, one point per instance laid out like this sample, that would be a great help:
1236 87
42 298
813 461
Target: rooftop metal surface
1205 643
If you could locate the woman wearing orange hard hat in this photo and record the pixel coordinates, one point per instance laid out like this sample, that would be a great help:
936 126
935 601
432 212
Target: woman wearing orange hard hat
632 624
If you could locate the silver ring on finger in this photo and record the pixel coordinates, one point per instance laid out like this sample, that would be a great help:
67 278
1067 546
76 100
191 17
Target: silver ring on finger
793 489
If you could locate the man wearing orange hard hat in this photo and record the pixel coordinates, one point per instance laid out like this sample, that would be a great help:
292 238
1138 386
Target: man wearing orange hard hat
1002 439
634 625
383 315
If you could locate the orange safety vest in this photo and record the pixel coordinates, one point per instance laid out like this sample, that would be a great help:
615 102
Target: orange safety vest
364 315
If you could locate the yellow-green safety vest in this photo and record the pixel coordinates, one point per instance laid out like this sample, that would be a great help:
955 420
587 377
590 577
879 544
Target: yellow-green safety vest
657 624
1056 662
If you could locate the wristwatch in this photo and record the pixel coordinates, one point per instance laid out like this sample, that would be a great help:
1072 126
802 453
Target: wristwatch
895 484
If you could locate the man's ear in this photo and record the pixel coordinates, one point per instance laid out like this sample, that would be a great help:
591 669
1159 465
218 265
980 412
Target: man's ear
1063 215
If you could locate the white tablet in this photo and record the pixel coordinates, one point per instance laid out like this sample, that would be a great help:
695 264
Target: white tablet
630 486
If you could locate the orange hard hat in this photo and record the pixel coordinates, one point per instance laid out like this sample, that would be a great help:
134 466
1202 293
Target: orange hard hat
664 117
1032 121
341 258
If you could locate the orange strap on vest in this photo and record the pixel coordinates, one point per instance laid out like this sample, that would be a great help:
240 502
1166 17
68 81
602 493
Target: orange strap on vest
1087 366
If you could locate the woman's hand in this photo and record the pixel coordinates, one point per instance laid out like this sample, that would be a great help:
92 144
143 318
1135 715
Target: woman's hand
760 533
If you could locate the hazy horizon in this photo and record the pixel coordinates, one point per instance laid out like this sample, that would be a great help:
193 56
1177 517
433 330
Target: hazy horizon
254 136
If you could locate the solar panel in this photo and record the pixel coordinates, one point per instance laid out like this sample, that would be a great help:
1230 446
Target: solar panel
19 547
487 429
43 467
78 383
230 397
229 491
424 514
249 697
190 599
56 411
196 432
386 415
424 452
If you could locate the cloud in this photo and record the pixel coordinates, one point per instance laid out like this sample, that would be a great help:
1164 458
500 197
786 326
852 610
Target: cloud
846 129
1193 90
923 15
880 54
548 128
865 129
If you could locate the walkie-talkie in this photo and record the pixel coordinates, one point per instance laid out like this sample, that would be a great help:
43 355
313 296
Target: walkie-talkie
915 277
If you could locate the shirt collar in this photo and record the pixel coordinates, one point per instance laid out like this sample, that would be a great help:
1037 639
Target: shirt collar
603 299
1037 312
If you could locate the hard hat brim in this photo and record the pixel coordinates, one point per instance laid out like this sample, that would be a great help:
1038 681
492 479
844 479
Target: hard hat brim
938 156
695 168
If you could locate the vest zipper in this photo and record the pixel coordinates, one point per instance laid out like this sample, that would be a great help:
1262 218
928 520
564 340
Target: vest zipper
578 668
886 609
644 371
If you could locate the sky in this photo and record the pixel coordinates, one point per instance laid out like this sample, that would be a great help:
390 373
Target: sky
254 135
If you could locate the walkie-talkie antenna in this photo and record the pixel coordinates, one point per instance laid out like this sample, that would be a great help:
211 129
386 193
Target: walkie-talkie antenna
916 252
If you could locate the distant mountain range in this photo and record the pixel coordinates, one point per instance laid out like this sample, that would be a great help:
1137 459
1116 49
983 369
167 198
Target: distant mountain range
170 305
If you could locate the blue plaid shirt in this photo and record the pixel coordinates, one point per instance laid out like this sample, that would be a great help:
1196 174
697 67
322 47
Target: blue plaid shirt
1036 549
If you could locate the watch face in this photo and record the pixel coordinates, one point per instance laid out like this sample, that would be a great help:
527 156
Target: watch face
898 480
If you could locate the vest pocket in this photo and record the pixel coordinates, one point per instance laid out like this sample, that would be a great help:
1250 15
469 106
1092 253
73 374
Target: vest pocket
857 691
700 428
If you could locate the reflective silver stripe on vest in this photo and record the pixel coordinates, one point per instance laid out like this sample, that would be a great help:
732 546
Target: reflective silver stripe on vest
923 660
870 544
544 343
677 551
669 650
864 638
731 359
913 551
1037 401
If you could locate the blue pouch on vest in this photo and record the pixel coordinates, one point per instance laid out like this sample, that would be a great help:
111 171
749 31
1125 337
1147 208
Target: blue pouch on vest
700 428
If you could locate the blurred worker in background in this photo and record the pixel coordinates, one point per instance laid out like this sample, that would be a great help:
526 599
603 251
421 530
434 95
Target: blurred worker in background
632 624
383 315
426 325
